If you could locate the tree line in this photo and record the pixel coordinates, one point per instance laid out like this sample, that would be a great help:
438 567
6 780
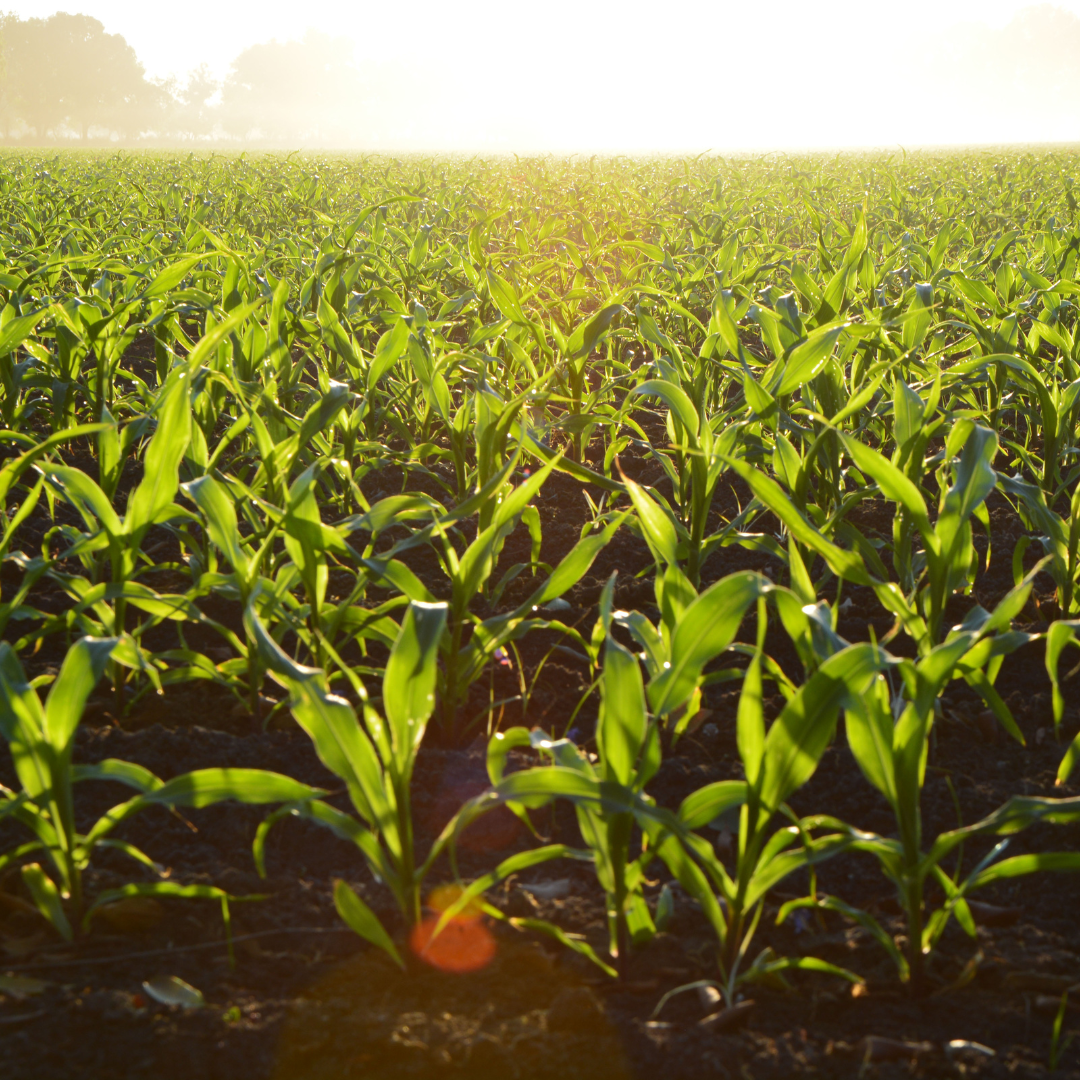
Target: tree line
63 78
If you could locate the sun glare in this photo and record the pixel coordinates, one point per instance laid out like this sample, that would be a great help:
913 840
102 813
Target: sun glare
688 76
464 944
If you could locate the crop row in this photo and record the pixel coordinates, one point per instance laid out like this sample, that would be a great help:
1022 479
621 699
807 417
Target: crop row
206 363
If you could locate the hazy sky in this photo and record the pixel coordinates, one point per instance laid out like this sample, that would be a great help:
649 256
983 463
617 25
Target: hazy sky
677 75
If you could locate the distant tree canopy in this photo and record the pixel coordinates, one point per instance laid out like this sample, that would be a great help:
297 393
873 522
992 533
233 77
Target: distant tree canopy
294 89
64 77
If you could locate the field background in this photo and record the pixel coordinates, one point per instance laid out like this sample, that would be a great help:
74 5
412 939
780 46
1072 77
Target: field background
656 375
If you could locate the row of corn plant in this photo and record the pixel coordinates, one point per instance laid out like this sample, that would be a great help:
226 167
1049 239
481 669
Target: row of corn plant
324 399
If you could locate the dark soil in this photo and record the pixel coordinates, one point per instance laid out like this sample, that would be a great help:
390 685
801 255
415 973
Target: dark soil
306 999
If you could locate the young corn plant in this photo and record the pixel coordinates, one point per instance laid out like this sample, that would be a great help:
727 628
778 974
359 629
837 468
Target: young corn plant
628 755
777 760
258 570
41 739
11 473
1060 539
1059 636
15 328
609 797
948 559
375 756
694 628
310 544
1051 416
247 578
470 642
700 445
469 573
110 545
575 350
889 736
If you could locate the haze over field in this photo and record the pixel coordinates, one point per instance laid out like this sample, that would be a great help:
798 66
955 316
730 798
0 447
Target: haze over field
582 75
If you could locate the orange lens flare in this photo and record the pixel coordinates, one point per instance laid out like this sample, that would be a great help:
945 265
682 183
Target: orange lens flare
461 947
443 896
464 944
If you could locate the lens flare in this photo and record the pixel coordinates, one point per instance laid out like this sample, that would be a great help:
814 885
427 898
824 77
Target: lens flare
464 944
443 896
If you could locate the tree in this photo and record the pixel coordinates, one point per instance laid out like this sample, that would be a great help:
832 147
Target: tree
294 91
195 112
65 74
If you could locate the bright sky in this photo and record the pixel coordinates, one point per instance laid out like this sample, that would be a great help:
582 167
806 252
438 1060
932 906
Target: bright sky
681 75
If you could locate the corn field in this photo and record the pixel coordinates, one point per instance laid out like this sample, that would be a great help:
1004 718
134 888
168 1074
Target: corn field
651 487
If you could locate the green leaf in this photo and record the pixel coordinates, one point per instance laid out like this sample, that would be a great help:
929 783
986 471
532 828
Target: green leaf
975 479
843 563
83 667
323 412
221 522
709 802
388 351
14 468
506 299
869 724
908 413
161 461
750 722
676 399
170 277
1016 814
1060 634
574 944
707 627
894 485
393 510
622 725
656 526
571 468
172 889
978 681
585 338
22 723
1068 762
918 316
205 787
17 330
343 746
342 825
123 772
524 860
513 504
571 569
46 899
209 342
807 360
361 919
1021 865
401 577
863 918
801 963
725 325
799 735
84 495
409 682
